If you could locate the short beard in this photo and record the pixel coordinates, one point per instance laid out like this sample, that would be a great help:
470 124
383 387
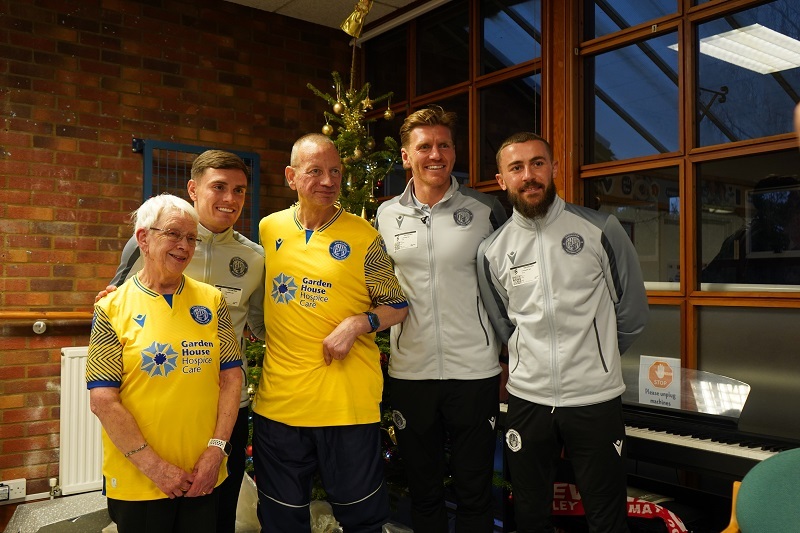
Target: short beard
537 210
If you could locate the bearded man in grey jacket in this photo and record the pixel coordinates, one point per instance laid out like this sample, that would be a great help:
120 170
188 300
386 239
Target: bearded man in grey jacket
564 289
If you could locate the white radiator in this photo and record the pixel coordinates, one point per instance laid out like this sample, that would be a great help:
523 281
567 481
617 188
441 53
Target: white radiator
81 453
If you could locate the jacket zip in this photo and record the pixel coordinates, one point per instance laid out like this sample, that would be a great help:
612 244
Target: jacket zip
549 313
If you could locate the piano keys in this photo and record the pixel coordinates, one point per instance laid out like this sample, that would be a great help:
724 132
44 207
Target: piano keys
701 434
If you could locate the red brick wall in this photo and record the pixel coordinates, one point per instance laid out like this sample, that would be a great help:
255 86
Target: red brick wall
78 80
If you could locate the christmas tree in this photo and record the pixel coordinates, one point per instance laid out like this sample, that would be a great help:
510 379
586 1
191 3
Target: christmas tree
363 166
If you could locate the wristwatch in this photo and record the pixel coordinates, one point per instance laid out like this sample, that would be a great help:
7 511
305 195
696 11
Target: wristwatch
374 321
223 445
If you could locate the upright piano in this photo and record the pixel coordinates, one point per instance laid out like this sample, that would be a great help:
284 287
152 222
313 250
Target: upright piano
700 434
693 451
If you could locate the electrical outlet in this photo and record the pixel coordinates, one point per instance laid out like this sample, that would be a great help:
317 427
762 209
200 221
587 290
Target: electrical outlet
17 488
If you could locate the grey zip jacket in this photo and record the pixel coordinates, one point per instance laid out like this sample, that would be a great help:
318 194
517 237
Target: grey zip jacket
237 271
447 334
565 292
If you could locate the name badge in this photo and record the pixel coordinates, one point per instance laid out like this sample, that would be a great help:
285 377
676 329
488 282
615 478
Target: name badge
404 241
233 296
524 274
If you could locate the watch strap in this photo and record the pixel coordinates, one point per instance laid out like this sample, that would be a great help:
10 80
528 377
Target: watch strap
222 445
374 321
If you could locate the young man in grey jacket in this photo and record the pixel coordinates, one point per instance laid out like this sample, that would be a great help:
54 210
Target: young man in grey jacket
564 290
444 365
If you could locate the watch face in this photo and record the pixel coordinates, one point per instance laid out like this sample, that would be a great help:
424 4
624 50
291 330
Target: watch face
228 448
374 321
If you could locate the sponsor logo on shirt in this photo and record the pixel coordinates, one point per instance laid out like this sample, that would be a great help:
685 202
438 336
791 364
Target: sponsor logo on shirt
159 359
283 288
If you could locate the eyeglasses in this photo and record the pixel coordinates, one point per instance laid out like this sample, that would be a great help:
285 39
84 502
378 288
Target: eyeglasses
176 236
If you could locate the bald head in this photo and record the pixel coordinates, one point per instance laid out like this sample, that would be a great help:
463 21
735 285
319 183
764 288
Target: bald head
315 139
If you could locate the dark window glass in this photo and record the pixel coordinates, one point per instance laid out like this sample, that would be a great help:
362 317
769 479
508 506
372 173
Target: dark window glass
749 222
647 204
511 33
662 335
632 101
734 101
614 15
506 108
443 47
385 59
460 106
394 183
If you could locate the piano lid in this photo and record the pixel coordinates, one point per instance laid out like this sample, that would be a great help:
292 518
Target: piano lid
701 393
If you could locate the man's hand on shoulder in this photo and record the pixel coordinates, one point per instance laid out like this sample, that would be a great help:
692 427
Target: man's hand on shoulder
105 292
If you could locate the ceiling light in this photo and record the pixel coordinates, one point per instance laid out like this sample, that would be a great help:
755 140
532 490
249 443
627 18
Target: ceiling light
753 47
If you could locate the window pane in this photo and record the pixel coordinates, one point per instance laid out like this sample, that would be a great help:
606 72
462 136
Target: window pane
648 206
385 59
735 103
506 108
442 47
660 338
622 14
749 213
511 33
756 345
632 105
394 183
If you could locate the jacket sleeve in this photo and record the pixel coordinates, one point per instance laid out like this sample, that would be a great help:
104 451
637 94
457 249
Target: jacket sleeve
255 309
129 264
499 215
493 294
625 281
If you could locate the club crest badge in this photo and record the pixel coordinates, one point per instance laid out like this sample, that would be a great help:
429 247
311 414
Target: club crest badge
513 440
237 267
463 216
572 243
201 314
399 420
339 250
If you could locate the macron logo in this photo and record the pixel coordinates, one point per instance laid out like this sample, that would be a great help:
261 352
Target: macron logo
618 447
139 319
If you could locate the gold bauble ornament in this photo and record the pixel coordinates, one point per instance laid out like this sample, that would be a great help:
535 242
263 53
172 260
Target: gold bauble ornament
327 129
388 114
338 108
357 153
370 144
